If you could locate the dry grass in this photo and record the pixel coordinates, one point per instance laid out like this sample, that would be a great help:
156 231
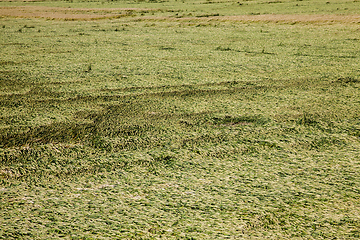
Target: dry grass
274 18
293 18
61 13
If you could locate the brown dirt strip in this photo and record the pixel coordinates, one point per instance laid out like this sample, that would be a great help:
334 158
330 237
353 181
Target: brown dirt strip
101 13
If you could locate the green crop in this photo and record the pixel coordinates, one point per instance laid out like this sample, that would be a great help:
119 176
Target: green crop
179 120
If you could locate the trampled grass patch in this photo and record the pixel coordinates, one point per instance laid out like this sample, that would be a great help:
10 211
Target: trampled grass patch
181 120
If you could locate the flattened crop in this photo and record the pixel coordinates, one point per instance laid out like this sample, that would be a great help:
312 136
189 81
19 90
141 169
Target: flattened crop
61 13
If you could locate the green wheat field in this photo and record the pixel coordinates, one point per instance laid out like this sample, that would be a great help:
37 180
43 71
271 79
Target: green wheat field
180 119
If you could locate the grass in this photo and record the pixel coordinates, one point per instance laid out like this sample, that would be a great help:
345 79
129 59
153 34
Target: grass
180 121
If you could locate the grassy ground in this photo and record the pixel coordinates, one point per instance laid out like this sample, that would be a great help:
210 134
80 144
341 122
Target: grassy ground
180 120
